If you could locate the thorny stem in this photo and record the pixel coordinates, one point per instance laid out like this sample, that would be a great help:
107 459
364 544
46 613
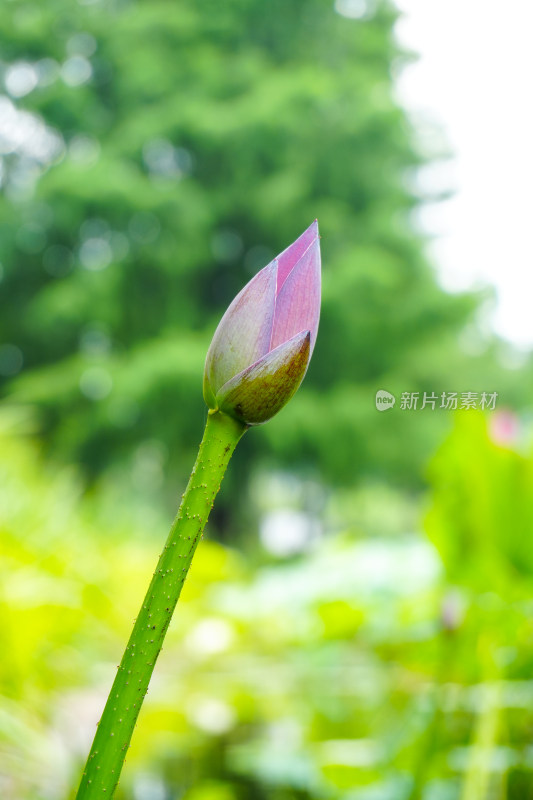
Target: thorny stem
115 728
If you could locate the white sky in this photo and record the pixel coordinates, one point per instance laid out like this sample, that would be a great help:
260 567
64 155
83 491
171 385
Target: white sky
475 78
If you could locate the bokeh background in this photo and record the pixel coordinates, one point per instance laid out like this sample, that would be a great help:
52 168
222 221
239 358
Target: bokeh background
357 623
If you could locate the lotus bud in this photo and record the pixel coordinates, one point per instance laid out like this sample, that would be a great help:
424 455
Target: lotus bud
263 344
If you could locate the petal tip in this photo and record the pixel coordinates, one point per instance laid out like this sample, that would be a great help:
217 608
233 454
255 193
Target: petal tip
290 257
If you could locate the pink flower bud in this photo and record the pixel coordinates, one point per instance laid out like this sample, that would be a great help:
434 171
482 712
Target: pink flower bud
263 344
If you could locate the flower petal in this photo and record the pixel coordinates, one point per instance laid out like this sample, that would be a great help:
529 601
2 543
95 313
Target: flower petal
244 332
260 391
292 254
298 303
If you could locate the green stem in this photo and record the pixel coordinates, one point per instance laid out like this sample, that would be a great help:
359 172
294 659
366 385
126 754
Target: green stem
115 728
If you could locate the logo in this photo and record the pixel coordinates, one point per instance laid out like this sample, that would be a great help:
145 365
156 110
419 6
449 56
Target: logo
384 400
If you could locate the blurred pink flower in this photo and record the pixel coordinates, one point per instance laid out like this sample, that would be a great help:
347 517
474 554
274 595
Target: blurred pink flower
504 427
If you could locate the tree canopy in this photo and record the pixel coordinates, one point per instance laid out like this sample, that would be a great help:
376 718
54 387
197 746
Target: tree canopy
157 154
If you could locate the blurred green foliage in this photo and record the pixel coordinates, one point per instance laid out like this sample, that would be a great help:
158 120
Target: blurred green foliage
483 513
366 668
154 156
